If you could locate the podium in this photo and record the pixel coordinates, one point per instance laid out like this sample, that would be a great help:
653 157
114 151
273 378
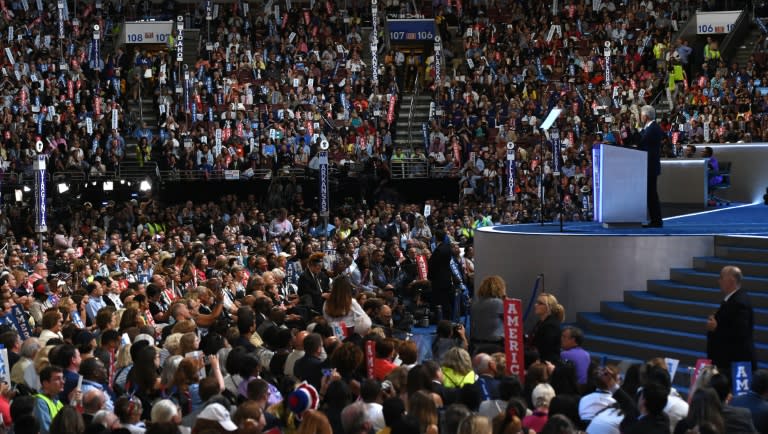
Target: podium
620 185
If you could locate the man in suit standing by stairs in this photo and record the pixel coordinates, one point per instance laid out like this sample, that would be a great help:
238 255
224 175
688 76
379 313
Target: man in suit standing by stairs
730 329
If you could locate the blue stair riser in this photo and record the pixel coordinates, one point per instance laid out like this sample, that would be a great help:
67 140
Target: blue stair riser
641 351
709 279
671 289
741 253
714 265
736 241
681 307
652 335
678 323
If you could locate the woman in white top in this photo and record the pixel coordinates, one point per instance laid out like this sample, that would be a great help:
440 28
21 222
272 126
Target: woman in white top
341 307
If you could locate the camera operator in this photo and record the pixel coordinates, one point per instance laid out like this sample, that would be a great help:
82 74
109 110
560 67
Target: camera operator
449 335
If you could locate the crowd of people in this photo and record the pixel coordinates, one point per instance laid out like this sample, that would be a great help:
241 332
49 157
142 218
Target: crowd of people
240 315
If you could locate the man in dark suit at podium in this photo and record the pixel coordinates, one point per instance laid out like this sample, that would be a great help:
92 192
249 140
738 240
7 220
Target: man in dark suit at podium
730 329
650 142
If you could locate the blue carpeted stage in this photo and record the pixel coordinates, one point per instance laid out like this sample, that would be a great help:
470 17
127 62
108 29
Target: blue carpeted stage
738 219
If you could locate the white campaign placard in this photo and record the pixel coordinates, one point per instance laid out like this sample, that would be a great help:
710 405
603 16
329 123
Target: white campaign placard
720 22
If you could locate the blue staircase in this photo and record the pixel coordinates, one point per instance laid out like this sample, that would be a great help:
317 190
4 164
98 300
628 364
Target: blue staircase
668 319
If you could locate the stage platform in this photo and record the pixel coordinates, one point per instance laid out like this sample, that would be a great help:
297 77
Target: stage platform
587 264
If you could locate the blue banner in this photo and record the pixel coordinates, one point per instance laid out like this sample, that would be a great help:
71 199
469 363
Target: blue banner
20 322
425 134
323 158
742 377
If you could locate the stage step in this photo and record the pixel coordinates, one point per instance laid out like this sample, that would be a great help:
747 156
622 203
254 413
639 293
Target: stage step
669 318
707 279
672 289
742 241
715 264
741 253
621 312
651 334
641 350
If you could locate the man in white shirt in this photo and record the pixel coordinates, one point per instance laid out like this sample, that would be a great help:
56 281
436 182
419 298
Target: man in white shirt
296 354
370 393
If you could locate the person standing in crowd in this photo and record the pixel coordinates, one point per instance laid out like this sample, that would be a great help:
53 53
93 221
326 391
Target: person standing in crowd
48 404
650 142
487 313
313 286
755 400
439 274
730 330
571 339
545 336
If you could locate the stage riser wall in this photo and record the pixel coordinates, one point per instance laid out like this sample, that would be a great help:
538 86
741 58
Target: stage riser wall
582 271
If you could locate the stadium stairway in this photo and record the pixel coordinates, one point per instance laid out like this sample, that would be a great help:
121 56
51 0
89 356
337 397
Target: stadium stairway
669 318
421 105
140 110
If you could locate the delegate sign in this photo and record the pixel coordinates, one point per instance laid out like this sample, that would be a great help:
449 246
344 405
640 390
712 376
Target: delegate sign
721 22
147 32
411 30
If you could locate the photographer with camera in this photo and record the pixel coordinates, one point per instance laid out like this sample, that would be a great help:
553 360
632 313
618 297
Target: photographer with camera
449 335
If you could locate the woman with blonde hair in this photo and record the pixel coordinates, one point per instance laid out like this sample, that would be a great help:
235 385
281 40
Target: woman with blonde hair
423 408
314 422
475 424
545 336
487 312
457 368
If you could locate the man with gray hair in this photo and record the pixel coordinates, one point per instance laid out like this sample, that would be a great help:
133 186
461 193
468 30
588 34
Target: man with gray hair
93 402
354 419
486 370
26 355
650 142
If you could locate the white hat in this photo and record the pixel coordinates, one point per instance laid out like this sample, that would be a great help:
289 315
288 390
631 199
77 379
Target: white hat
145 337
217 412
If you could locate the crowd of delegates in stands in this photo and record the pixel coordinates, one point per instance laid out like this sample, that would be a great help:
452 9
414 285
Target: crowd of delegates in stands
278 86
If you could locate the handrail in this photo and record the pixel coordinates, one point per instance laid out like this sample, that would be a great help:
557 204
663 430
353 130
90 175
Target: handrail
410 110
733 39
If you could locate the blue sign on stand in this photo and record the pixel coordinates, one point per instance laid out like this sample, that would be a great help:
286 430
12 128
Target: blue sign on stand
419 30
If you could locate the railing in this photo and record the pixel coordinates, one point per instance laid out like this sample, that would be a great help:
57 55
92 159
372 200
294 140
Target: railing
410 110
134 170
409 168
733 40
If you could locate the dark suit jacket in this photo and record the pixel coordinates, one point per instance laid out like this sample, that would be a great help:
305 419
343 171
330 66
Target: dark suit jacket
732 339
546 339
650 424
309 290
650 142
439 270
310 369
737 420
757 406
